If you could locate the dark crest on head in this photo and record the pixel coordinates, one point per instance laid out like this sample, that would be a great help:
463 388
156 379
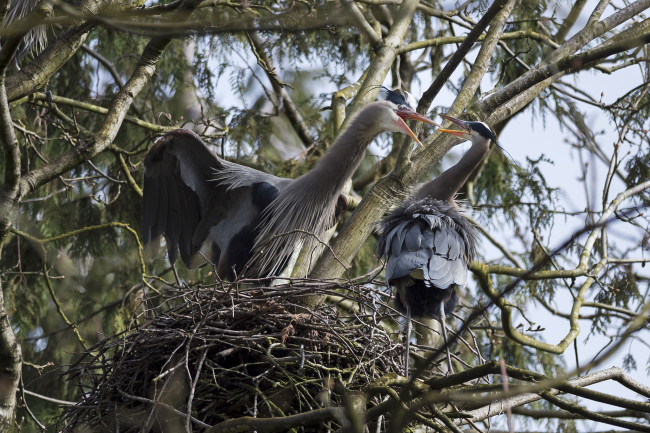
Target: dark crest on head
397 97
484 131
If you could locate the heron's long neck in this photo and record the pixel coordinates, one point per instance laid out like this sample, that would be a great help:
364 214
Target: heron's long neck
344 156
446 185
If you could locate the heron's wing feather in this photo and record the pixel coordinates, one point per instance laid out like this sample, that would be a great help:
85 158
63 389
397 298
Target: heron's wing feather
440 272
153 223
413 238
403 264
437 264
460 273
455 245
187 225
235 175
396 238
172 226
441 243
188 191
424 239
448 264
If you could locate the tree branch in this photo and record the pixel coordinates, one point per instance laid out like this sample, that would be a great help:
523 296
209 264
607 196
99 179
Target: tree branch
575 408
10 350
328 266
496 408
429 95
560 62
598 11
383 59
563 414
562 66
290 108
42 97
110 67
362 23
447 40
109 128
570 20
36 74
278 424
390 188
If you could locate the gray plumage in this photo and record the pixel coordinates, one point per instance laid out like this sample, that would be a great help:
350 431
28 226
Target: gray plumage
197 214
307 204
36 38
311 200
245 221
427 241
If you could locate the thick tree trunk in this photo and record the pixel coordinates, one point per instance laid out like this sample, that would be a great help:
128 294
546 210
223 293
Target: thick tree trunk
17 185
10 369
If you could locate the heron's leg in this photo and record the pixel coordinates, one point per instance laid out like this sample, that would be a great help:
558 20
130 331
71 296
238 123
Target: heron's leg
176 276
408 340
444 337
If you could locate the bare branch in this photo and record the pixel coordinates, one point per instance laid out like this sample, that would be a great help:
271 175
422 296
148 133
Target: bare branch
111 125
429 95
362 23
45 99
447 40
575 408
278 424
50 399
496 409
289 106
110 67
570 20
598 11
36 74
383 59
386 191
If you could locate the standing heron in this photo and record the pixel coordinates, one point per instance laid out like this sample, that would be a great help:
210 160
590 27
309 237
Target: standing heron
245 221
426 241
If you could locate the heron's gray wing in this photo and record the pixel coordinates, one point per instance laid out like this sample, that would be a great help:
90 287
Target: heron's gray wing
187 201
447 262
398 266
424 246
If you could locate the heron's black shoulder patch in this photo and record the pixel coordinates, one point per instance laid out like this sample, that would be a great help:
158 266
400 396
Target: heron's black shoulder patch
263 194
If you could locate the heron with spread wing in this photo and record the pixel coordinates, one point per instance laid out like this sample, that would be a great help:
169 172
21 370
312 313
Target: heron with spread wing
245 221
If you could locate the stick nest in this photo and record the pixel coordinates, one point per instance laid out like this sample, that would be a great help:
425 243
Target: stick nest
222 352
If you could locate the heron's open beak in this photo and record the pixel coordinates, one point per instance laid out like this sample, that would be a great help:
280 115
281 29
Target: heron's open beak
463 133
406 114
408 131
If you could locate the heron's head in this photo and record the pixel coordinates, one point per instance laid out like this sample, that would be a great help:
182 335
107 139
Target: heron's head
470 130
398 109
398 97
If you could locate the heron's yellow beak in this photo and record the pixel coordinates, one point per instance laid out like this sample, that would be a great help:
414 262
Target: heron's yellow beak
454 132
463 133
405 113
408 131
